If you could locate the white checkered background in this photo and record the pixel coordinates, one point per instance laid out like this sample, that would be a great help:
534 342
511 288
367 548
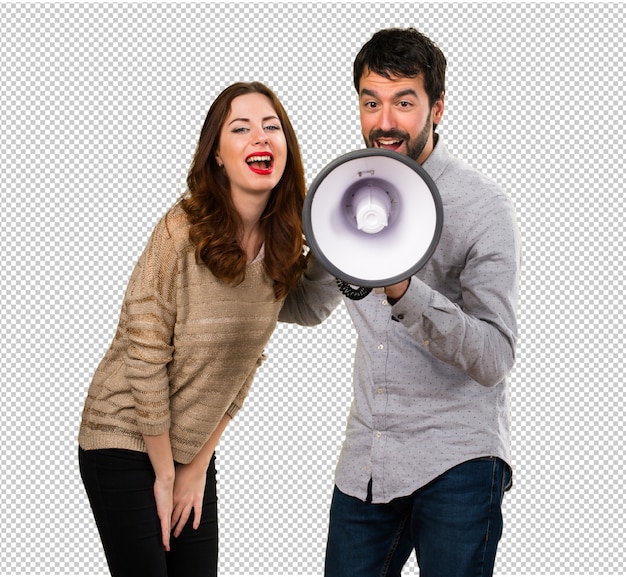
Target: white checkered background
101 107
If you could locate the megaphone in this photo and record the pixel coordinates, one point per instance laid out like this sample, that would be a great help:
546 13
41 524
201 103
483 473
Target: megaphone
373 218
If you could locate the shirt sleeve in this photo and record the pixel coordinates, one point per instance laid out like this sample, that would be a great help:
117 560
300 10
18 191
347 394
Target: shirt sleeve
150 309
314 299
478 334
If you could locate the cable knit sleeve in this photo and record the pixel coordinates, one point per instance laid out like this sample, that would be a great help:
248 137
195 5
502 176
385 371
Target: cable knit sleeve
150 310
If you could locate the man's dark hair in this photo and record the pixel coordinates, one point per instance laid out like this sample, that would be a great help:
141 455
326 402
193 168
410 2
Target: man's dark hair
403 52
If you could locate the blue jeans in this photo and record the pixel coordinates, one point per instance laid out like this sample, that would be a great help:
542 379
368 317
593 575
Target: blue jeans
120 487
454 524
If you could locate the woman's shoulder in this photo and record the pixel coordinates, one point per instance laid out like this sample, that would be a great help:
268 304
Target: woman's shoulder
174 225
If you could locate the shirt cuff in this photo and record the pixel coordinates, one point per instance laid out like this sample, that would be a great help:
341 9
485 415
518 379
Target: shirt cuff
413 304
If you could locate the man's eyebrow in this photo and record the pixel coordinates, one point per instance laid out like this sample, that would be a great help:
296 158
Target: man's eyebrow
368 92
406 92
399 94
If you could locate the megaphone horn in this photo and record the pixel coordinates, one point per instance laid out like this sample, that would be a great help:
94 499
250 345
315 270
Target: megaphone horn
373 218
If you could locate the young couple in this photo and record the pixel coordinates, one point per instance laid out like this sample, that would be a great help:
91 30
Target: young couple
426 459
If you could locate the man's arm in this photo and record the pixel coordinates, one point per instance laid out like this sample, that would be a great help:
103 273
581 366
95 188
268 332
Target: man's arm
478 335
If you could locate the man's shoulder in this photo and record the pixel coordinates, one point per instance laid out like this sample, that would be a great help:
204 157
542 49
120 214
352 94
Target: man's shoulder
467 192
461 173
454 176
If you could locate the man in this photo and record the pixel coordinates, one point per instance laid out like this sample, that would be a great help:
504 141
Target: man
426 457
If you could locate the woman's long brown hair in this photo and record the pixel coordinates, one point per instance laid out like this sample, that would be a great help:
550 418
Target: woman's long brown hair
215 223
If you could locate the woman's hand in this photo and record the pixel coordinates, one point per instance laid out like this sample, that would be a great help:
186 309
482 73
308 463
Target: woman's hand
188 495
190 482
160 453
163 495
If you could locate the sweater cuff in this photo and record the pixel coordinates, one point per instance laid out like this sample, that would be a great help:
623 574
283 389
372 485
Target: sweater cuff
232 410
153 429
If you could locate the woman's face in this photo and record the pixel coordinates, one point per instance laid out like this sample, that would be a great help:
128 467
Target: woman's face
252 146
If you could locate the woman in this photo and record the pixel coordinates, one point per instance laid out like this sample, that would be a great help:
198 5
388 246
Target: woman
200 306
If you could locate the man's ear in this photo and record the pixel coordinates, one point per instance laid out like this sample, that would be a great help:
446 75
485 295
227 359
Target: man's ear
438 109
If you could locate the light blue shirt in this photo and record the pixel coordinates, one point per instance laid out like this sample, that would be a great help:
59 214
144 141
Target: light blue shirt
430 371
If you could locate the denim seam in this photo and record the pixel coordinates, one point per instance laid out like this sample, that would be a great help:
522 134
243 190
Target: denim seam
491 499
394 546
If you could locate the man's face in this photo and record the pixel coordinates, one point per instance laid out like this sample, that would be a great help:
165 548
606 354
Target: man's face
396 115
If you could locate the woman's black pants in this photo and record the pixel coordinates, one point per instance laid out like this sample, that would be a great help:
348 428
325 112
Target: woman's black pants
120 487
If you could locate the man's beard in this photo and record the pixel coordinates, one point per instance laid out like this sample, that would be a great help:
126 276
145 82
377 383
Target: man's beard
413 147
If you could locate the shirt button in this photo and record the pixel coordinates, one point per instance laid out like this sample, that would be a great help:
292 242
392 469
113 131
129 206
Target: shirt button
426 342
400 316
385 303
380 391
378 434
381 347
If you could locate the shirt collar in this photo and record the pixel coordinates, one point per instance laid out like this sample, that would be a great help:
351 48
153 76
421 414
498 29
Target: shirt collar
438 159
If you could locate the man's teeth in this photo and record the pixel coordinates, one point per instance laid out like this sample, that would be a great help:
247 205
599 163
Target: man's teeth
389 142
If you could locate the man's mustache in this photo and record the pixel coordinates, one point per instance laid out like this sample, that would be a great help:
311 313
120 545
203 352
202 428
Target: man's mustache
378 134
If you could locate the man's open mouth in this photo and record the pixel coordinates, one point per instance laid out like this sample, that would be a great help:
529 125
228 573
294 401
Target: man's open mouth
389 143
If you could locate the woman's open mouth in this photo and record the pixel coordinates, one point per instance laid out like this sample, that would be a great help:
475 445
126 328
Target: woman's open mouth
261 162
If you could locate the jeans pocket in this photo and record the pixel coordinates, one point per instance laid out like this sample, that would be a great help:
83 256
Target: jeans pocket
507 478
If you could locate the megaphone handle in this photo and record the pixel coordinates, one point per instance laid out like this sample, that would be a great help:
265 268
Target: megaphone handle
355 294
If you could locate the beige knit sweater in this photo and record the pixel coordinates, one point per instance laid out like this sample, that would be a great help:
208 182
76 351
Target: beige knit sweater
185 352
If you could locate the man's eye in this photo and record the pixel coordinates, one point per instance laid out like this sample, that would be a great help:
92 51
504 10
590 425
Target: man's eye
370 105
405 104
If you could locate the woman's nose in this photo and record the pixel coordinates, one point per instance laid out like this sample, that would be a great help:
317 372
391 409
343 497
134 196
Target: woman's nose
260 137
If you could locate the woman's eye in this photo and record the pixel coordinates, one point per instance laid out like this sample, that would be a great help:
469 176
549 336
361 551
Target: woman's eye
272 127
240 129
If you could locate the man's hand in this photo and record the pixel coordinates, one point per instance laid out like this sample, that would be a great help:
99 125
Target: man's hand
397 291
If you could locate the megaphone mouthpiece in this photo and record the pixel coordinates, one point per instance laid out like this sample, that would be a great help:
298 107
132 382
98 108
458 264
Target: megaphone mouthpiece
372 207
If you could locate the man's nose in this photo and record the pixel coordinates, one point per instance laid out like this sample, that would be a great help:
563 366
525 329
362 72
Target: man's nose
387 119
